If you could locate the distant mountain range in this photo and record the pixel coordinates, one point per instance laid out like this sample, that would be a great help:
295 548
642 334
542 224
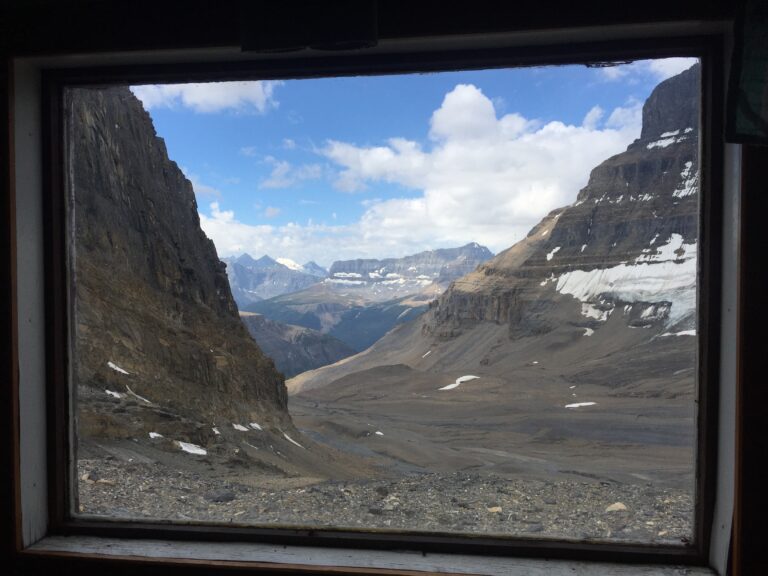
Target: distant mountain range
396 277
361 300
252 280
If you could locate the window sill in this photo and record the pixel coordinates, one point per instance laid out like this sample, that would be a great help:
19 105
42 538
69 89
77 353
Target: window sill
299 558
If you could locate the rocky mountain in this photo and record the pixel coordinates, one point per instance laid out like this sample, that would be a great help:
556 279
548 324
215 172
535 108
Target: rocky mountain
252 280
626 247
315 269
362 300
152 296
396 277
165 371
617 266
294 349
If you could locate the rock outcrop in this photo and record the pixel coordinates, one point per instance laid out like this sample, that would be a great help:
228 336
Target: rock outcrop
154 317
294 349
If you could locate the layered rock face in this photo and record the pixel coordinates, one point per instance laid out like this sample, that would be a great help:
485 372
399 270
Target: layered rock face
627 246
253 280
155 319
397 277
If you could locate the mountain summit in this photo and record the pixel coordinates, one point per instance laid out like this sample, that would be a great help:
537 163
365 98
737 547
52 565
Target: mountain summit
253 280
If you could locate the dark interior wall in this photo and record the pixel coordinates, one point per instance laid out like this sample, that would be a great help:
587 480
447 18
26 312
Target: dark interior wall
752 436
48 27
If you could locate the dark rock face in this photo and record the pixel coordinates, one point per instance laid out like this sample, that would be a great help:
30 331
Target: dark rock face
394 277
636 218
673 105
295 349
154 313
253 280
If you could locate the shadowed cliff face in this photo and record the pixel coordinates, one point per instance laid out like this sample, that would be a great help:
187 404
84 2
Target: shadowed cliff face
154 313
627 244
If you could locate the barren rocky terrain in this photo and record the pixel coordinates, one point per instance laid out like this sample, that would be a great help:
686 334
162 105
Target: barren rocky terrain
439 503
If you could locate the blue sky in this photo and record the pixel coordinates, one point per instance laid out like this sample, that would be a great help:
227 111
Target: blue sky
338 168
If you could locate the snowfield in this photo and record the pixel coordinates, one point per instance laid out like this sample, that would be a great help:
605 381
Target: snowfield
665 275
580 404
459 381
117 368
192 448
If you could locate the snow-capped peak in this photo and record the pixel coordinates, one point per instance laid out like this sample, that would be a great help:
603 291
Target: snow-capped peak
288 263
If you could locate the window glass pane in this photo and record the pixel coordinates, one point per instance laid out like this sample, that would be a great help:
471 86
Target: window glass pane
457 302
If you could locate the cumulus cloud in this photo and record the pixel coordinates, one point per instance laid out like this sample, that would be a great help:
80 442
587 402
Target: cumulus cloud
206 98
655 70
627 117
593 117
486 178
481 177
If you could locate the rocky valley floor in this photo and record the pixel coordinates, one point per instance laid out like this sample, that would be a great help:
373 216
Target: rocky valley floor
457 502
472 459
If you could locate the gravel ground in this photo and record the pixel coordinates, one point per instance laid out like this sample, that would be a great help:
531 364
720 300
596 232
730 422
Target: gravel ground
458 502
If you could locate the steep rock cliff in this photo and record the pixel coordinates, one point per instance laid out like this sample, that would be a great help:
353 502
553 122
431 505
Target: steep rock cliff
154 316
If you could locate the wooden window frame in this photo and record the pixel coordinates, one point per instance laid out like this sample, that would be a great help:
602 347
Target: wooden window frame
709 48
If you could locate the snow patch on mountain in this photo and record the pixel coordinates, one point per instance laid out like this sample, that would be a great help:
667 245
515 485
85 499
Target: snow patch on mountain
117 368
288 263
459 381
667 274
663 142
690 182
192 448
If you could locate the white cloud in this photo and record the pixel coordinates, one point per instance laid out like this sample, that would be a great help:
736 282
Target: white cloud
488 180
654 70
245 97
271 212
289 144
627 117
668 67
614 72
285 175
593 117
